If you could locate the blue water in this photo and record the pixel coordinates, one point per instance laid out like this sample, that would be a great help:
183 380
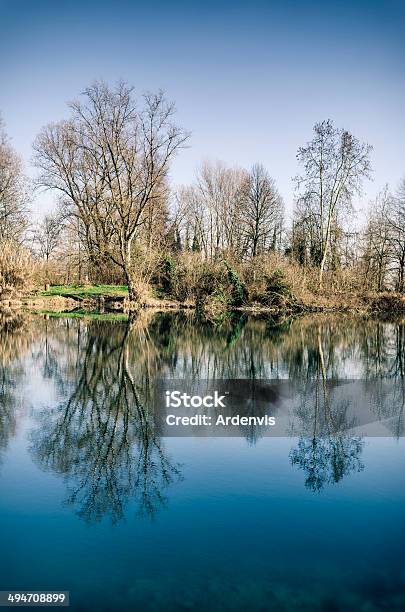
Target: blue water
235 527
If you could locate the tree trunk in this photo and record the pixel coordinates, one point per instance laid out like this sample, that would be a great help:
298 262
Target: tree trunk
380 276
133 294
325 247
401 275
321 268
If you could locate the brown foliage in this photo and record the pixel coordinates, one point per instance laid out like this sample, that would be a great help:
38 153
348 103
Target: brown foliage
16 269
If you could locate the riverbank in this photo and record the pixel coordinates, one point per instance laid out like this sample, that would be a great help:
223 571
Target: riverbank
114 299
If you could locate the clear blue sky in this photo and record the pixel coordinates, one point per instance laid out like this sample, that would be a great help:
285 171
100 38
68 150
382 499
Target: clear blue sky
249 78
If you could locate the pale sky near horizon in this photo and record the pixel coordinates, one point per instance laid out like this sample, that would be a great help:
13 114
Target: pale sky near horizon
249 78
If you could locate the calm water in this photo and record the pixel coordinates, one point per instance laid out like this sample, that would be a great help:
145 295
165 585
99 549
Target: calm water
93 501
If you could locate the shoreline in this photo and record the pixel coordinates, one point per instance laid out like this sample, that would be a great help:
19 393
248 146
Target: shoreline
386 304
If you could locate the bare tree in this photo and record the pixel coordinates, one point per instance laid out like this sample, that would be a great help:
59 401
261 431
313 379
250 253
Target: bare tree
230 212
377 242
211 210
13 193
335 163
189 219
396 223
218 194
47 235
384 241
262 211
110 161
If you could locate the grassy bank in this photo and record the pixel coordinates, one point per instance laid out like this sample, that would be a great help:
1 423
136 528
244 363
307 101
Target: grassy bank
86 291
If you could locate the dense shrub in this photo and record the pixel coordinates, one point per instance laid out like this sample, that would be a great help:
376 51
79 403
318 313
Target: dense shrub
238 291
168 271
277 290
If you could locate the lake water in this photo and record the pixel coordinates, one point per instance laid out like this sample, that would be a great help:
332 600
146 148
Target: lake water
93 500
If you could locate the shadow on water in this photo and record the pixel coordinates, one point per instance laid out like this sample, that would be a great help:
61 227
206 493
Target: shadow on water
101 434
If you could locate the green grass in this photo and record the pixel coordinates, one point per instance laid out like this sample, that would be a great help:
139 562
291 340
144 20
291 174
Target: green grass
86 290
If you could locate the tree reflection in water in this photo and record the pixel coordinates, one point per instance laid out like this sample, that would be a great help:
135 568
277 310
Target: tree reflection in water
324 452
102 437
102 434
15 339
